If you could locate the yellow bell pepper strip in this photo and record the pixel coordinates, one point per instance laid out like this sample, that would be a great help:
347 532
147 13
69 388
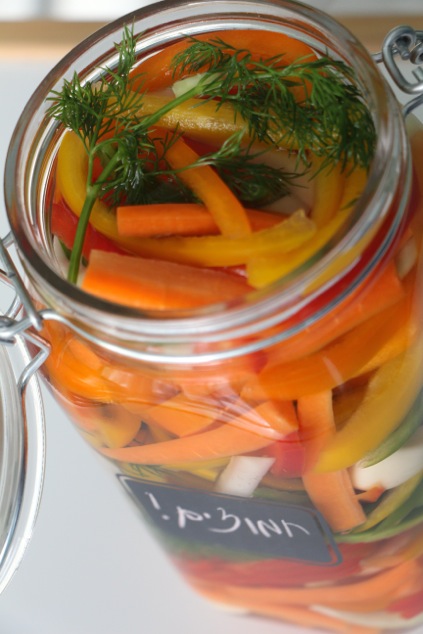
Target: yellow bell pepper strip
223 251
390 394
393 499
197 119
265 270
225 208
329 183
206 121
71 178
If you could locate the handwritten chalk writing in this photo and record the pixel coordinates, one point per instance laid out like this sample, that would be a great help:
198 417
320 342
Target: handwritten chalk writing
235 522
287 526
185 514
251 525
269 527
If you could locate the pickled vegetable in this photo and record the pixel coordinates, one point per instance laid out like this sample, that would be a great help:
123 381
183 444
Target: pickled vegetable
193 200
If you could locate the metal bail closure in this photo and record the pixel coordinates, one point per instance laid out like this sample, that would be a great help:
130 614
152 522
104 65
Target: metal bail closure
402 51
29 318
22 427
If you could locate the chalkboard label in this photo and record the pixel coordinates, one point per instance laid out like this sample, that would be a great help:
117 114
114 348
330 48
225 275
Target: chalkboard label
240 524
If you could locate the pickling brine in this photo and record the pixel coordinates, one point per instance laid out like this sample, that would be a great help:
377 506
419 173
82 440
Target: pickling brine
258 384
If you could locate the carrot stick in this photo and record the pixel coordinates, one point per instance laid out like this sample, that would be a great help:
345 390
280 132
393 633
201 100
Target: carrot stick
316 423
159 285
220 250
224 441
223 205
156 72
333 495
181 416
183 219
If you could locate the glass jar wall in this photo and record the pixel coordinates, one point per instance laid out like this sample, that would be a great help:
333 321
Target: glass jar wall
273 440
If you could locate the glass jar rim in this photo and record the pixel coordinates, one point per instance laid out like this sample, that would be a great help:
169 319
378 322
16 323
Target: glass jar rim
261 308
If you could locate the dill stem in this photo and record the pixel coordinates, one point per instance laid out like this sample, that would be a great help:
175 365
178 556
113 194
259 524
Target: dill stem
93 191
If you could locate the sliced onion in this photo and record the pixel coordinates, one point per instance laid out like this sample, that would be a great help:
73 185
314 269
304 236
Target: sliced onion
242 475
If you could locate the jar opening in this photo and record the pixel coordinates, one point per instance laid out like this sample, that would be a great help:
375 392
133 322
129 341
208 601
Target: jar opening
37 137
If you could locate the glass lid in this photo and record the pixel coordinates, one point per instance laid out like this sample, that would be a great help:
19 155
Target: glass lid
22 455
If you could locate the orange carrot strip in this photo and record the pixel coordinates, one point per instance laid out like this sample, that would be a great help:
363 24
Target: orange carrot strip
220 250
316 423
156 72
182 219
224 441
154 284
223 205
333 495
181 416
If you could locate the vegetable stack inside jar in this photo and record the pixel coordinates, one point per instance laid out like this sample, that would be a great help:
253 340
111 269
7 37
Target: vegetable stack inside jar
286 480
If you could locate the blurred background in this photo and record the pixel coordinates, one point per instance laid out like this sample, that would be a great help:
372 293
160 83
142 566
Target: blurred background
109 9
40 28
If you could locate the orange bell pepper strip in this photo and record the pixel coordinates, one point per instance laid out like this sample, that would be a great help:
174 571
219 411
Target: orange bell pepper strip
226 210
156 71
368 299
330 366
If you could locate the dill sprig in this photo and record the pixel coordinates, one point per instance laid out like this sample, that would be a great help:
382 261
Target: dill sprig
330 120
251 179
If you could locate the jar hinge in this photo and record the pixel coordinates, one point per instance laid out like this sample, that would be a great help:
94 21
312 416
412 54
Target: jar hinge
12 327
404 44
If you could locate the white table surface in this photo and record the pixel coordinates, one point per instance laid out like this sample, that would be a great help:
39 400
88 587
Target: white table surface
91 567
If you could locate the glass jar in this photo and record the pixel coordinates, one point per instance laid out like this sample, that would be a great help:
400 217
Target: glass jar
273 442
